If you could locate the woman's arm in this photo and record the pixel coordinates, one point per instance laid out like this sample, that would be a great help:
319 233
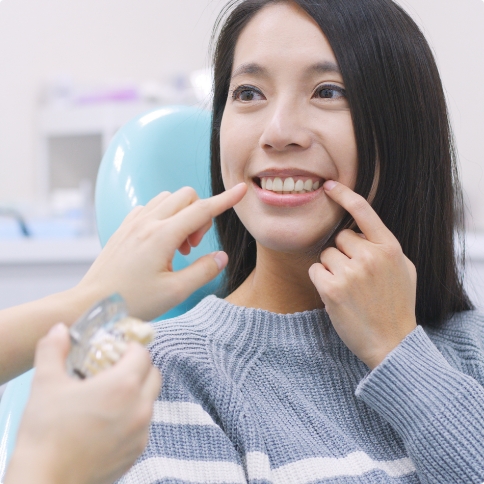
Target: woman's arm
437 410
368 287
136 262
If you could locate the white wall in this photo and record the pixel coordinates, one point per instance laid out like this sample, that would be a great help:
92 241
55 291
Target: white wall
94 40
455 30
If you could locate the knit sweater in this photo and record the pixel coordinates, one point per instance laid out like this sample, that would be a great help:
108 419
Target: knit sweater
251 396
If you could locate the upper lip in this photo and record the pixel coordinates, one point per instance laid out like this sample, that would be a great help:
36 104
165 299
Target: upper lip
287 172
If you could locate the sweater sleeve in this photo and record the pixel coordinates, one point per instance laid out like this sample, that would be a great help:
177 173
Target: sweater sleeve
437 409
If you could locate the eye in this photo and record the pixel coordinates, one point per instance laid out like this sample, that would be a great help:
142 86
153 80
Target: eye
330 92
247 94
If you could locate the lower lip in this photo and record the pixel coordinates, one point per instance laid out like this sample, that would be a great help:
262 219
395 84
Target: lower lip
290 200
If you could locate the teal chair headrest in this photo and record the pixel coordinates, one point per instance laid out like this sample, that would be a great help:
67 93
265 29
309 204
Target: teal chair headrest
165 149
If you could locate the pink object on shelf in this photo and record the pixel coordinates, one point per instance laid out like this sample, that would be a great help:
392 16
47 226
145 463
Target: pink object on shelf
114 95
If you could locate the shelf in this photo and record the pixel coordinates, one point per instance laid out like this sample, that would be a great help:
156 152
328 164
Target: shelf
49 251
89 118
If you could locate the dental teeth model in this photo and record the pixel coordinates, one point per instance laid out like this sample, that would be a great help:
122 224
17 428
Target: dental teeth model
101 337
107 347
288 185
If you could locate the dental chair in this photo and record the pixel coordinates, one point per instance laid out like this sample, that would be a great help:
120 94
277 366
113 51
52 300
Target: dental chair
164 149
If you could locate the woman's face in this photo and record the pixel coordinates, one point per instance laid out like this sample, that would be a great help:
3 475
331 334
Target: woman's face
286 129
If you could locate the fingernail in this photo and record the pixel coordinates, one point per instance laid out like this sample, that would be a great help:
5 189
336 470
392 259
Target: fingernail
58 329
220 259
329 185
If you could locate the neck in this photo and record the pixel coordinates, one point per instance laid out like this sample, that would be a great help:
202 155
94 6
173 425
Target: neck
279 283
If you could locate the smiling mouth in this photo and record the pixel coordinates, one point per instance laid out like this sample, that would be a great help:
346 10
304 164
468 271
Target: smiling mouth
289 185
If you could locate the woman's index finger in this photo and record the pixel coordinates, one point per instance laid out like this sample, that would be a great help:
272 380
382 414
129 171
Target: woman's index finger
366 218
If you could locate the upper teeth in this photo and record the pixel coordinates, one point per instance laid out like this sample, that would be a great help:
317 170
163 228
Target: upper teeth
288 185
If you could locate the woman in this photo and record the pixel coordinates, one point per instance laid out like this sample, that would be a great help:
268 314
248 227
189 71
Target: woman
326 361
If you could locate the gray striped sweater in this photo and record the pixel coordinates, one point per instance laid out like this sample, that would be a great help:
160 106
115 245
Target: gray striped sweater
255 397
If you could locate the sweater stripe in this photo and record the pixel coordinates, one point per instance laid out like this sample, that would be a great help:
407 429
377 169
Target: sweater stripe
155 469
180 413
258 466
303 471
257 463
354 464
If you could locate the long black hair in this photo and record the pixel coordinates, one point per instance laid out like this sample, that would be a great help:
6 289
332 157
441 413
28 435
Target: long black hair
400 117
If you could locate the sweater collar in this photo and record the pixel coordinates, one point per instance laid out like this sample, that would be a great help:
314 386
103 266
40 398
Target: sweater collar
226 320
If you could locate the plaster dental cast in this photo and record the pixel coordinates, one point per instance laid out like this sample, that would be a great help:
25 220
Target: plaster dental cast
91 431
344 348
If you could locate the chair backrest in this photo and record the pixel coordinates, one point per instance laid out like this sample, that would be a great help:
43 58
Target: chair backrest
164 149
12 407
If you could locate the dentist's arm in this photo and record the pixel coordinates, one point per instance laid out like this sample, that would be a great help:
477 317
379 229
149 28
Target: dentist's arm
83 432
136 262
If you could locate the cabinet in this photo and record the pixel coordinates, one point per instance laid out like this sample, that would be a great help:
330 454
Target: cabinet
73 138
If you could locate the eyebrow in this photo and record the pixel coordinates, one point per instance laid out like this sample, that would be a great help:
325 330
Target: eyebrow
259 71
324 68
249 68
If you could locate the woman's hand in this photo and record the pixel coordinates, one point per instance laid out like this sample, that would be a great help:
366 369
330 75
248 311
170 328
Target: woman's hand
83 432
367 284
137 260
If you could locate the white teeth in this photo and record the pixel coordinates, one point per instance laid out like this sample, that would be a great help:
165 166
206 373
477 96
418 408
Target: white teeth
277 185
288 185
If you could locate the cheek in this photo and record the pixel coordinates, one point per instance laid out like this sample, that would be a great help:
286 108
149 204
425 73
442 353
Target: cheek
236 145
348 165
229 146
340 142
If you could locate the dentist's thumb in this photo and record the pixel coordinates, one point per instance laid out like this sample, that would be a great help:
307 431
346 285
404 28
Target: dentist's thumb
199 273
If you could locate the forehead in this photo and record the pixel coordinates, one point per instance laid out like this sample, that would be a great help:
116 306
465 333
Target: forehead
280 35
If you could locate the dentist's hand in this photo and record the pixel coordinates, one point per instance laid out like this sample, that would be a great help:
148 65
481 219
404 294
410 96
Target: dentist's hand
367 283
137 260
83 432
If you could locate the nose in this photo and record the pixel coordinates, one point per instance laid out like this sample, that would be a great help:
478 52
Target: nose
285 130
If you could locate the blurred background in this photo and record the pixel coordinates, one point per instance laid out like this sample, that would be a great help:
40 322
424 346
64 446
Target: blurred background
73 72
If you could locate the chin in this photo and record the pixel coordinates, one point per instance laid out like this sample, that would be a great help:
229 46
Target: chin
286 241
